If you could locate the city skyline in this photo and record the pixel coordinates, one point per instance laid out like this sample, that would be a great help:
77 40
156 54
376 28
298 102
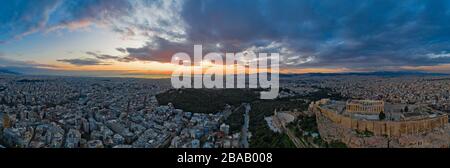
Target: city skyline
136 38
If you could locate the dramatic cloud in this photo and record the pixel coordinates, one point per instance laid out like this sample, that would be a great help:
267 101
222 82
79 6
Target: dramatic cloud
158 18
83 61
364 34
102 56
335 34
20 18
128 17
329 33
122 50
162 50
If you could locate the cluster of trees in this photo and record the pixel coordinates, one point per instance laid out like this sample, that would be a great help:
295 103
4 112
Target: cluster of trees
263 137
206 100
236 119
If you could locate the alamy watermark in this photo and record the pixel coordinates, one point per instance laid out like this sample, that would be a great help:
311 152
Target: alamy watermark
227 70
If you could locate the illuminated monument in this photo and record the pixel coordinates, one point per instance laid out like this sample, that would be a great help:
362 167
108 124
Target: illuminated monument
357 124
365 106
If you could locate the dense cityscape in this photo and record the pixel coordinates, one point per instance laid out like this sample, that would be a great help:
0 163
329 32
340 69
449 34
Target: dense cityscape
77 112
102 112
428 90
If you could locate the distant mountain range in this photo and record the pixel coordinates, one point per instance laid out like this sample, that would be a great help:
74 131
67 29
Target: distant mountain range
8 72
377 73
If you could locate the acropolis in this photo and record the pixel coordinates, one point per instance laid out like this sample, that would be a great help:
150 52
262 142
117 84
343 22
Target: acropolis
370 123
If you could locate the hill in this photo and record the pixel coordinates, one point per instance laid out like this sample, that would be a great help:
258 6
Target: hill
8 72
377 73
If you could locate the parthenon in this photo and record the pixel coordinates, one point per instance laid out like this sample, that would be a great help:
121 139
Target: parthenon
365 106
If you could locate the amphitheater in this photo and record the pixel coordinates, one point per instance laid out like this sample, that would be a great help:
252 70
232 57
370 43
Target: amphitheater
358 123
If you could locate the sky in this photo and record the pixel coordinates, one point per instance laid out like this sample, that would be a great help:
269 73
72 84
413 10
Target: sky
139 37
